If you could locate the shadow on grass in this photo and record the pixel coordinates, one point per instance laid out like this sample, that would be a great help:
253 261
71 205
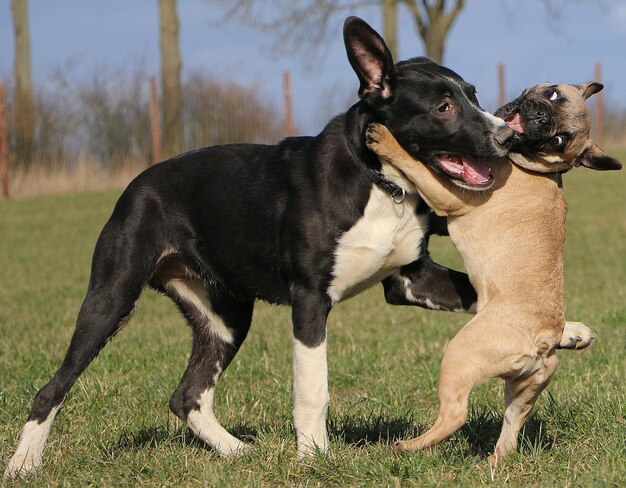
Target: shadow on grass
483 428
151 437
479 434
373 429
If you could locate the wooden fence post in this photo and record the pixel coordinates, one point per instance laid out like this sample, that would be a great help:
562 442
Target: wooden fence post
501 86
155 122
599 101
288 110
4 145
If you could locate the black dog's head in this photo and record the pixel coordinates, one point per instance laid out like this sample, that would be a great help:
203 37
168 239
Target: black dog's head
432 111
552 125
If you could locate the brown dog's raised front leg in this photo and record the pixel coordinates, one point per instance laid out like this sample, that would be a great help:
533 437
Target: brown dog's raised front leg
441 195
576 335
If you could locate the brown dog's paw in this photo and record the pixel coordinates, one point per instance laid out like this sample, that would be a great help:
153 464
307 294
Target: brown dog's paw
404 446
576 335
398 447
493 459
376 135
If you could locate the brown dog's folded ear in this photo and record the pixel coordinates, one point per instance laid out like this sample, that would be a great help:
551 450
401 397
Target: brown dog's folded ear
595 158
590 88
370 58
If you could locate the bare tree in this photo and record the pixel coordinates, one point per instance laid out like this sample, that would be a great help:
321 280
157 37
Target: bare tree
433 22
171 65
24 109
390 25
305 23
223 112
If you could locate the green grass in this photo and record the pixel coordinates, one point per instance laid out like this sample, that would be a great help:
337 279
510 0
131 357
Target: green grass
116 428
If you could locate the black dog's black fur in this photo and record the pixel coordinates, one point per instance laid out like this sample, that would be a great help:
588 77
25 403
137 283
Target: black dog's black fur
218 228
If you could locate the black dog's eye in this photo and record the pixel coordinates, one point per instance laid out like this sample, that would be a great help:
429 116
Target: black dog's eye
444 108
557 141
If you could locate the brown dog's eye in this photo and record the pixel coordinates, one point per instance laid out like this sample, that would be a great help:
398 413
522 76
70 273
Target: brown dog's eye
444 108
557 141
554 95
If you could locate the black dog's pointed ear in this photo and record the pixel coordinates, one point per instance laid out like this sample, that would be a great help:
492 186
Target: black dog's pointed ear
590 88
370 58
595 158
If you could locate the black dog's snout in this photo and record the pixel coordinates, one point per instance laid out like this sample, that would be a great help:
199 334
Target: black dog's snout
504 136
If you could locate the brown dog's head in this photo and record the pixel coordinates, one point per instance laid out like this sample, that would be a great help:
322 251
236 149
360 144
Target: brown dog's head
552 125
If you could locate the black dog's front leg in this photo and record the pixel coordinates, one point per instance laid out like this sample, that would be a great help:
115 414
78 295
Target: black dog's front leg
310 370
427 284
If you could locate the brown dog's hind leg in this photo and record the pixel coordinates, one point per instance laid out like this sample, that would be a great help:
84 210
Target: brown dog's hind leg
520 396
461 369
452 416
489 346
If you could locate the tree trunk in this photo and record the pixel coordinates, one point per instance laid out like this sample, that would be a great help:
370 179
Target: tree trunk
433 23
390 26
434 41
24 110
171 63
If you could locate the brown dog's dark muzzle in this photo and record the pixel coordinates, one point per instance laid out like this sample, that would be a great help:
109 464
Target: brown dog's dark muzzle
536 116
531 119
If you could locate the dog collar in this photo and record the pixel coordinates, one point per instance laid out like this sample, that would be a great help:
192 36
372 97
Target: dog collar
397 193
540 166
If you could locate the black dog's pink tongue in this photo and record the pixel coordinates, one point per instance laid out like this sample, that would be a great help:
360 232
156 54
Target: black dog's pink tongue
516 123
470 170
475 172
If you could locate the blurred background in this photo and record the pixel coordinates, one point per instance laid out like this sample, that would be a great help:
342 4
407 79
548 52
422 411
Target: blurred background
92 92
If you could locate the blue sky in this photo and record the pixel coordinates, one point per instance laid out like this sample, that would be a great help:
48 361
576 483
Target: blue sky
80 36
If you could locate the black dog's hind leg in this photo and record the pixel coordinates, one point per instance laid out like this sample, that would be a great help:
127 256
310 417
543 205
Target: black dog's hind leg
219 325
427 284
114 287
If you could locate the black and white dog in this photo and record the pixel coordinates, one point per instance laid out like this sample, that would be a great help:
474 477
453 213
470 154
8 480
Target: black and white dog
308 222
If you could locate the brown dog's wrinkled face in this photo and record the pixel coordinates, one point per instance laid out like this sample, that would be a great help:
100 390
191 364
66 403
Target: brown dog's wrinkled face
552 125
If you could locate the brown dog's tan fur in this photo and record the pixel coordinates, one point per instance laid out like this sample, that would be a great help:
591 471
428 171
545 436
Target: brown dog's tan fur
511 239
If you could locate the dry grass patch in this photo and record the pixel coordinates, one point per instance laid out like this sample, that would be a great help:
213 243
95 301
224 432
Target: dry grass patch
61 178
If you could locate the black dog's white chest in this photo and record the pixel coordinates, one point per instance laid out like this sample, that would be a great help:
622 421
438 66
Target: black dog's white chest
387 236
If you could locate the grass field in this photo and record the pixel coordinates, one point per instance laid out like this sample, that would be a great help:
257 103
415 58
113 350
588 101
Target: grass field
116 428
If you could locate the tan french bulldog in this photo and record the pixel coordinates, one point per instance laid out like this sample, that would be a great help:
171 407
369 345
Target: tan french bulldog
510 235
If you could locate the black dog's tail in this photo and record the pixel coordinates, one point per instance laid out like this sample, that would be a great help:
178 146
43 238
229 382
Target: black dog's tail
124 258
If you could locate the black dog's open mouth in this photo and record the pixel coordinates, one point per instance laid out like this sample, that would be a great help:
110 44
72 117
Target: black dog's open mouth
467 171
